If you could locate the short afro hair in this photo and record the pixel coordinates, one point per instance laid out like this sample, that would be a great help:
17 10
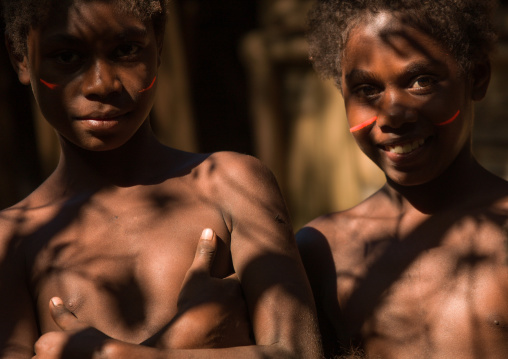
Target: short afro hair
22 15
463 27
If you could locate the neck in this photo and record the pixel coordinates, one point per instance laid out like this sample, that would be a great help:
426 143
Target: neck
454 188
126 166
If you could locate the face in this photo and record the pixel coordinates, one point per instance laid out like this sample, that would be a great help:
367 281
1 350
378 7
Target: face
93 73
408 105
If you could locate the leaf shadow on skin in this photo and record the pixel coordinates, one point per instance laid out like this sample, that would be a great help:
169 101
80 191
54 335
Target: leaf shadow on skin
49 251
37 246
68 257
395 256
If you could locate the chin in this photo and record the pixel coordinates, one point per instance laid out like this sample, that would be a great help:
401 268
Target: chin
97 145
408 179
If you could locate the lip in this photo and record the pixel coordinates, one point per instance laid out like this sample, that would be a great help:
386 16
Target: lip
101 120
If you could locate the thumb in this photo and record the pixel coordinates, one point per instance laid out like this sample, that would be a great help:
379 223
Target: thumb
205 251
62 316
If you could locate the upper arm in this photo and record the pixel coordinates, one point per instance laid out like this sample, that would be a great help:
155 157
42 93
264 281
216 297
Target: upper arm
18 329
317 257
266 258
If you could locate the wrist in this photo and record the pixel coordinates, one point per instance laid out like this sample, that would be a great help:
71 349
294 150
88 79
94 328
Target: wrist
115 349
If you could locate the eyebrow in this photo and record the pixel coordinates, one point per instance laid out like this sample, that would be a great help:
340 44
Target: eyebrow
422 66
132 32
66 38
357 75
415 68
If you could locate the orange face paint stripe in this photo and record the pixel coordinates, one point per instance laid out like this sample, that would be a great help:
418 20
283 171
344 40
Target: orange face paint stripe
149 87
50 86
363 125
450 120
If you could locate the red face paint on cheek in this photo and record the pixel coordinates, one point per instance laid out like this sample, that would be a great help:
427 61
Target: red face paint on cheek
149 87
363 125
49 85
450 120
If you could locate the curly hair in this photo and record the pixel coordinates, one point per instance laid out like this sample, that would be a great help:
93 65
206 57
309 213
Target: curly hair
22 15
463 27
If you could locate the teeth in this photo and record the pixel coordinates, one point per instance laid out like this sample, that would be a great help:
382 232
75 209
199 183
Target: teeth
406 147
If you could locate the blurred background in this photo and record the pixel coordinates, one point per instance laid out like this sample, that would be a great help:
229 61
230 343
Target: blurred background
236 77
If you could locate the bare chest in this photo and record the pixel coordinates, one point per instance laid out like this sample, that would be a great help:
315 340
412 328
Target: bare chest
447 299
120 269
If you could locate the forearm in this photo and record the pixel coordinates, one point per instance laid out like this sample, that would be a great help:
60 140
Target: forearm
120 350
15 352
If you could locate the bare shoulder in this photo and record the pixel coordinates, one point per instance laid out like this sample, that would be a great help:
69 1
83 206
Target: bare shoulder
13 221
339 229
489 204
240 183
230 168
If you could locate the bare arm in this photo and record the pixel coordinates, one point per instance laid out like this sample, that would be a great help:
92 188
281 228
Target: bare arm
318 260
18 329
268 264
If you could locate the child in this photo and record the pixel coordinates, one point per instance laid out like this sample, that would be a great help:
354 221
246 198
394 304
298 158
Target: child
108 238
419 269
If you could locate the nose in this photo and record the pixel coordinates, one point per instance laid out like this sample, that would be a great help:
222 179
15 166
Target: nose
395 109
101 80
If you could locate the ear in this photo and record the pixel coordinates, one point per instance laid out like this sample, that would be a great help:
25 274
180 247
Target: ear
480 79
18 62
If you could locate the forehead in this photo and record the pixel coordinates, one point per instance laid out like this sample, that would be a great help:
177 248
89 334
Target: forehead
376 36
89 20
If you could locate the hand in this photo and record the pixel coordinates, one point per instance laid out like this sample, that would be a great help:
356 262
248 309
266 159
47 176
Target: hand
211 312
76 340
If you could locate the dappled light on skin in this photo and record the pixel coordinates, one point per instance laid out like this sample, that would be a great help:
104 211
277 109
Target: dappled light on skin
47 246
403 254
58 251
373 297
11 253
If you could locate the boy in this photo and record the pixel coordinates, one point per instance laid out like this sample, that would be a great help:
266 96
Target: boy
419 269
108 238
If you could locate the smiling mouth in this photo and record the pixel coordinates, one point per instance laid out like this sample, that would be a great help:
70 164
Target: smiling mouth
404 148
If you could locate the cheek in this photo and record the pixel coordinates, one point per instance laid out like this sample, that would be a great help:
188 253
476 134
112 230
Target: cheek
450 120
49 85
364 142
149 86
49 99
363 124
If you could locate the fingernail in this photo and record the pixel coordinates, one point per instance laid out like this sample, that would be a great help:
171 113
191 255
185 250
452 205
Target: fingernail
207 234
56 301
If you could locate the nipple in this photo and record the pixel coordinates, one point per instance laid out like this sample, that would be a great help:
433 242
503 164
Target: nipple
497 321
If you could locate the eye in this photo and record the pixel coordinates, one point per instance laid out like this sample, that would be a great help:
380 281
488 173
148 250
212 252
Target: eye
67 57
423 83
127 50
366 91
